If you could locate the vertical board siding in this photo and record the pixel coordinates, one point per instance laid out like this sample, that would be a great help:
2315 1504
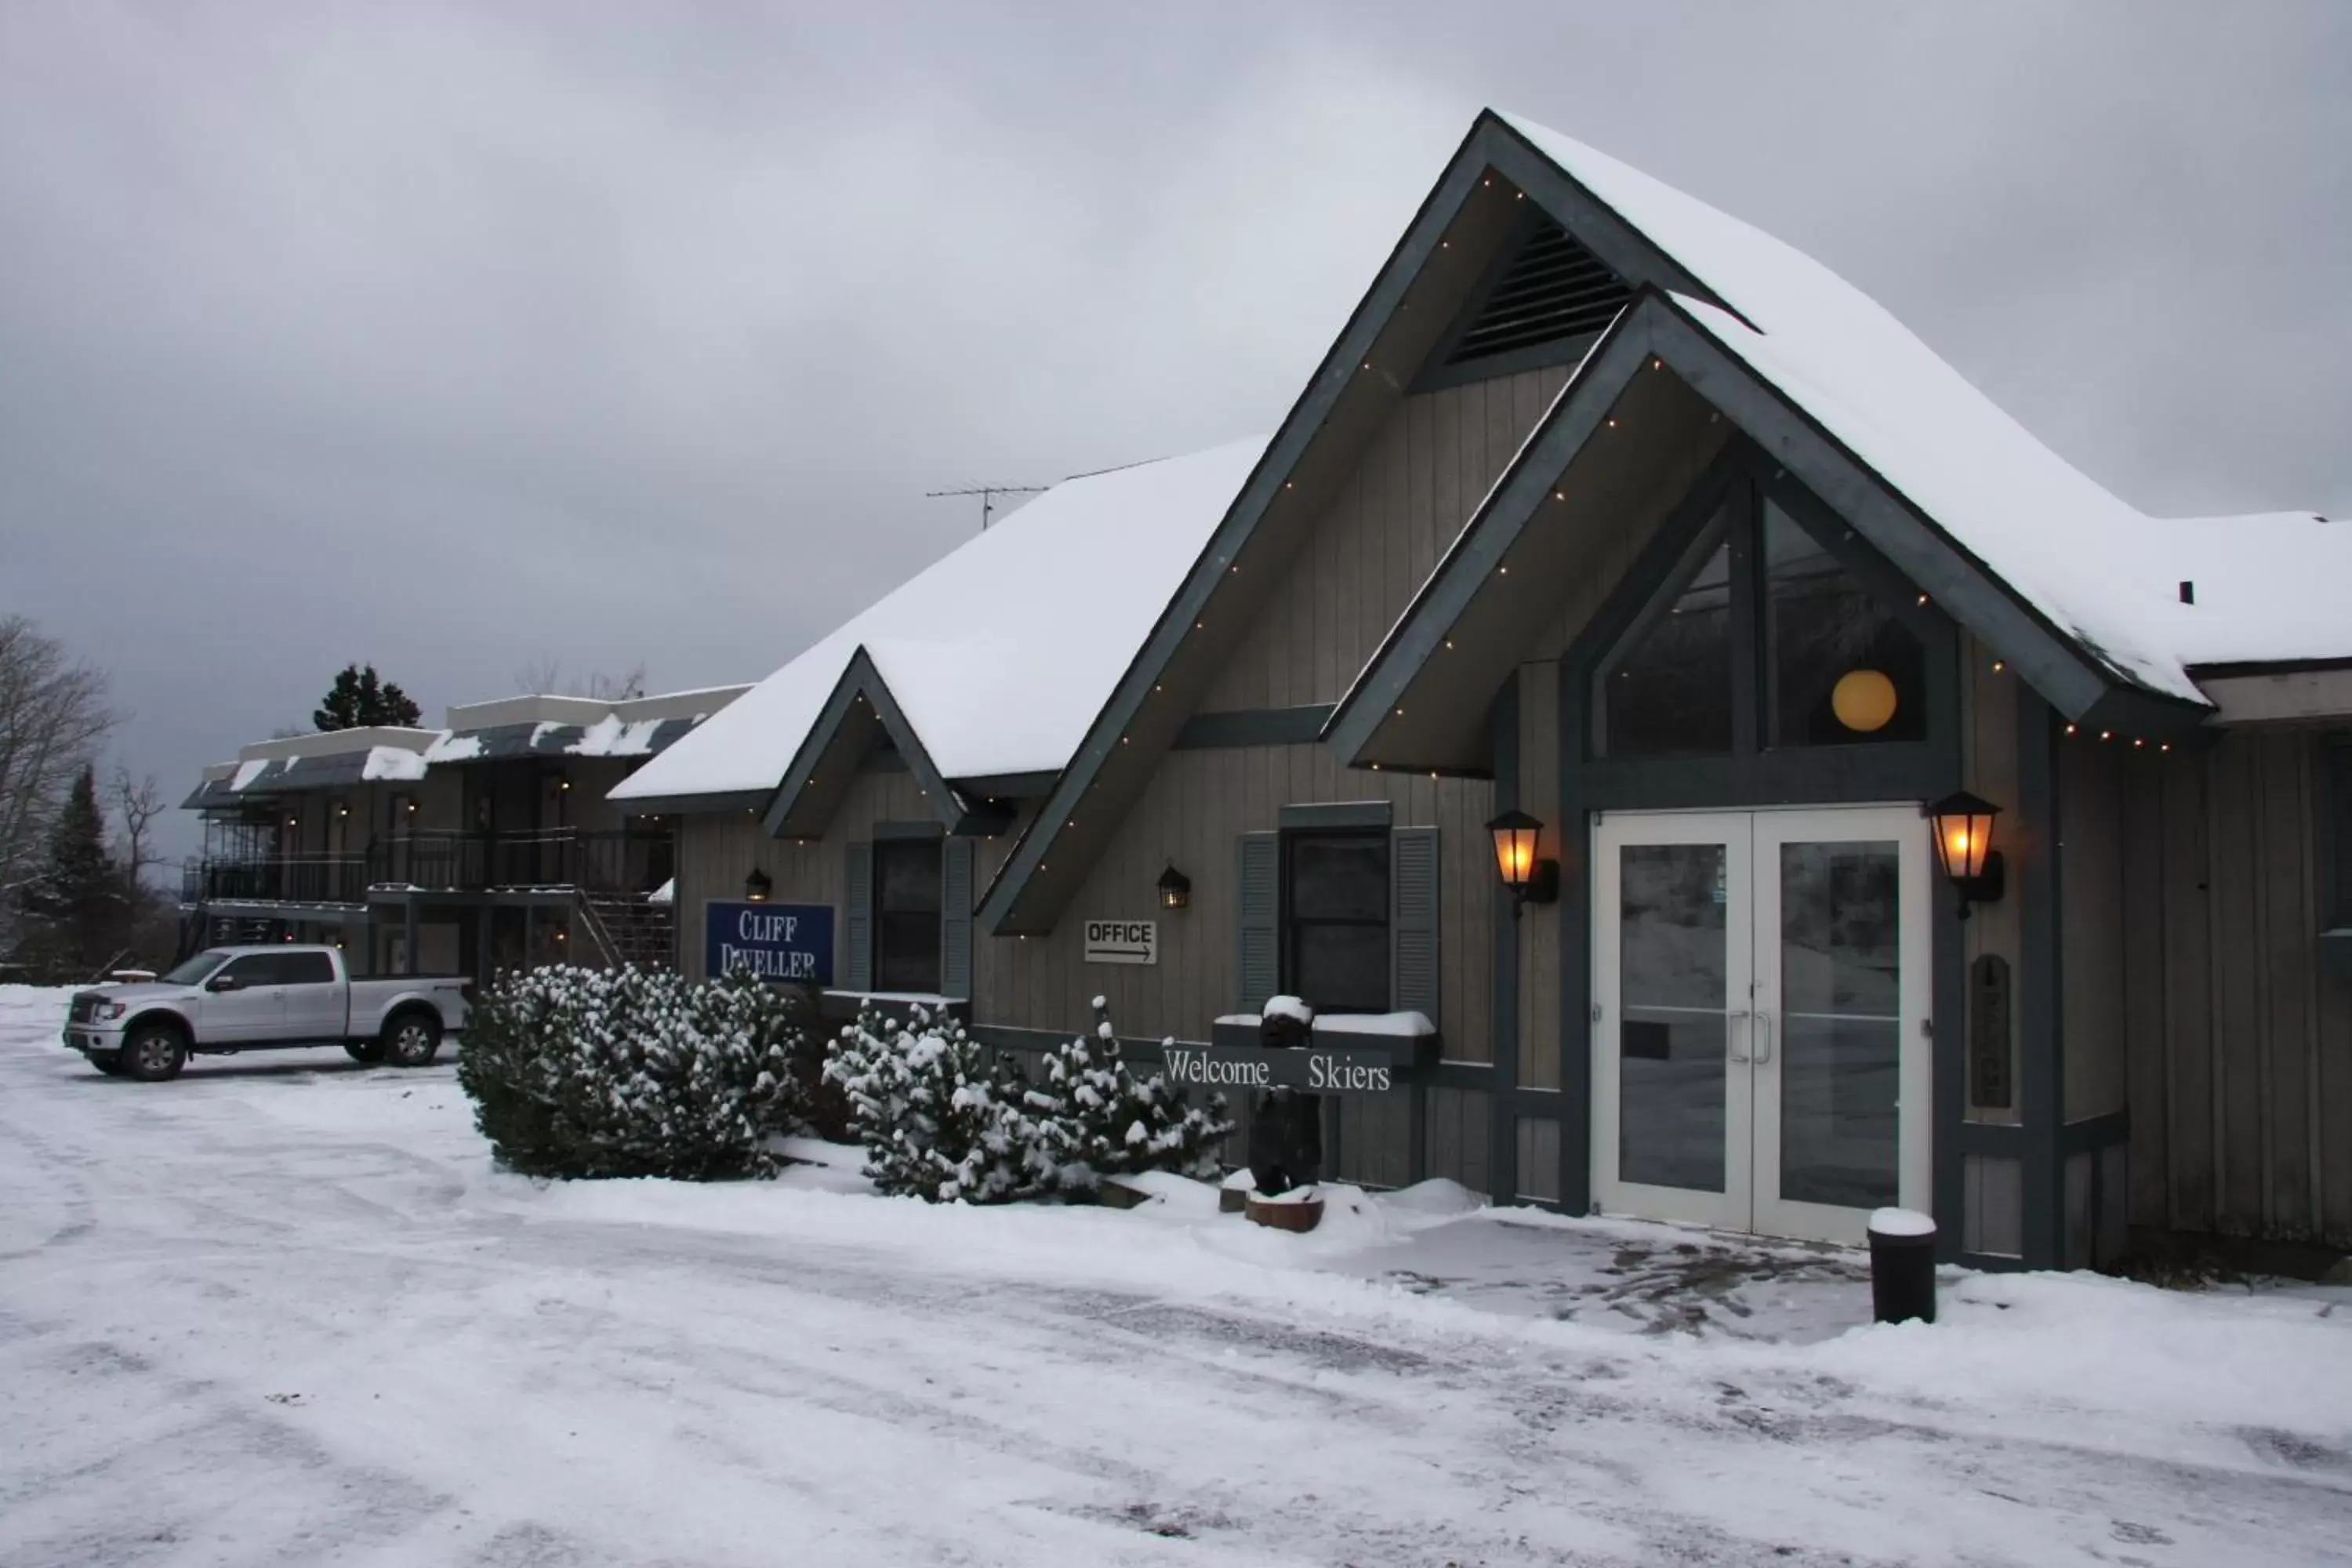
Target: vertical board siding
715 850
2090 924
1989 767
1460 1122
1538 1159
1541 1024
2191 897
1417 482
1194 812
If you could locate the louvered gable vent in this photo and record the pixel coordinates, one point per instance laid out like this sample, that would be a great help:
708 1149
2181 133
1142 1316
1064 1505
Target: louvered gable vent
1553 288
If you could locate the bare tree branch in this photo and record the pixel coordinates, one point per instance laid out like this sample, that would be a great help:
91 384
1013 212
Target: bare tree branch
137 804
53 714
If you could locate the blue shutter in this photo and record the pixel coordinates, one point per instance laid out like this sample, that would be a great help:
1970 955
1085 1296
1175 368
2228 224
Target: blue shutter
857 920
955 917
1259 972
1413 922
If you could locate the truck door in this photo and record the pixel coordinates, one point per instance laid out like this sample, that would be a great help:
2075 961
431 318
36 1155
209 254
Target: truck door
253 1008
314 1002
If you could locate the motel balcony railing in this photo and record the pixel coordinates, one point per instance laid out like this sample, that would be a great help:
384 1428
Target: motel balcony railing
602 862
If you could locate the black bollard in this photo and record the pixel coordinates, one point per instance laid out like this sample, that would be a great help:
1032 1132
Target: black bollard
1902 1266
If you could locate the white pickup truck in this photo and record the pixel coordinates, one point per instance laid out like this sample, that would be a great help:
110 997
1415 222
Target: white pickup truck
231 999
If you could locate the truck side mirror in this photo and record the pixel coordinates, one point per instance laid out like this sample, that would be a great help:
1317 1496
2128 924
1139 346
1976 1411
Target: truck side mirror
224 983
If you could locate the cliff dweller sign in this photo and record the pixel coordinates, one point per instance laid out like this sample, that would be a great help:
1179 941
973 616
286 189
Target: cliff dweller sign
1122 942
775 941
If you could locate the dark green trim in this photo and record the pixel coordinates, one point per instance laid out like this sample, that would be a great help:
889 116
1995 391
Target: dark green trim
1300 726
2056 664
1444 597
1491 144
1502 1133
2094 1134
1335 814
993 787
2040 984
750 800
861 683
1436 375
908 830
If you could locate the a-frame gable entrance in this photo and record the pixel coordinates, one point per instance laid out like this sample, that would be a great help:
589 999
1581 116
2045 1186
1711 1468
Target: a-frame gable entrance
1477 207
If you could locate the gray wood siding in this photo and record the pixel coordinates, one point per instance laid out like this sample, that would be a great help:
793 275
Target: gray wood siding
1196 805
1422 476
2191 893
714 852
1539 932
1989 767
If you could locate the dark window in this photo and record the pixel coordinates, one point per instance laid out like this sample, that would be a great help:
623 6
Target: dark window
254 968
1335 921
305 969
1840 669
906 915
1667 690
1765 637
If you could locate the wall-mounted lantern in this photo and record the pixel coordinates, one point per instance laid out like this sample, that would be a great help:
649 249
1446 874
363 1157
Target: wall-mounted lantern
1964 848
1175 888
757 887
1531 878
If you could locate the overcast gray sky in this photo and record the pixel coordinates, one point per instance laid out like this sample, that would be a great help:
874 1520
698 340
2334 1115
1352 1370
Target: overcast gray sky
464 338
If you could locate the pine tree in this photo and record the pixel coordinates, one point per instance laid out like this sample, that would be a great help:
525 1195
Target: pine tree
630 1072
939 1120
358 700
1095 1118
75 907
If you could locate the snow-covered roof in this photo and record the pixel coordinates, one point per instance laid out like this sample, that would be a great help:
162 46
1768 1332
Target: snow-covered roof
2099 568
479 731
999 654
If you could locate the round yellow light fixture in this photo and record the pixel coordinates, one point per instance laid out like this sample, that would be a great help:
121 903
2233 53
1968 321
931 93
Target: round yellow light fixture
1863 699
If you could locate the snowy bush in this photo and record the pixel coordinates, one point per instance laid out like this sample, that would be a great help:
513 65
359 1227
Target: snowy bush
1095 1118
632 1072
940 1120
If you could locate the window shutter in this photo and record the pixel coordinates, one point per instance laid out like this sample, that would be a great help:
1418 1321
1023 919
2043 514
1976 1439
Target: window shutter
1259 972
857 920
1413 922
955 917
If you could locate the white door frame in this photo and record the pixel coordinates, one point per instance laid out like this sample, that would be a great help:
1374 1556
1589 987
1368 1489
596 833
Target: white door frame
1907 830
1730 1209
1751 837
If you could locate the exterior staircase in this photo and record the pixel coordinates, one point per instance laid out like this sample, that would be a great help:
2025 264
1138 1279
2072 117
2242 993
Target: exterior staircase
630 927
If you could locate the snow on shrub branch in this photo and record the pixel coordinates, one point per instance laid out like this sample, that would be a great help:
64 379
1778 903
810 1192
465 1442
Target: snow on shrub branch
632 1072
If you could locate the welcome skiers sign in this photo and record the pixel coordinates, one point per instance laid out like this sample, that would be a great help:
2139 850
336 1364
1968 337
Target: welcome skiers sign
775 941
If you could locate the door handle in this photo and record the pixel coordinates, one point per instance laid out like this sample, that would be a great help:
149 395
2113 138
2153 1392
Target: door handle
1763 1035
1734 1054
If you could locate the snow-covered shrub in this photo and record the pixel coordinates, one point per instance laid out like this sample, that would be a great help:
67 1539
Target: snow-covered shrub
941 1118
1095 1118
632 1072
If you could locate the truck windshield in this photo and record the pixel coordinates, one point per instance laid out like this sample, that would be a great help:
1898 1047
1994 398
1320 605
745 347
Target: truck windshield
196 970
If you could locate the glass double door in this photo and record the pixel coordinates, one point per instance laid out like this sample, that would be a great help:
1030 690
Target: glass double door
1761 1052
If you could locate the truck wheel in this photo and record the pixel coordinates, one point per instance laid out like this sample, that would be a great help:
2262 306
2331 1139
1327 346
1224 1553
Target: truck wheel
108 1062
412 1039
154 1053
367 1051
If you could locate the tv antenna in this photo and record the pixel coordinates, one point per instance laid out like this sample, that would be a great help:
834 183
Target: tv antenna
988 494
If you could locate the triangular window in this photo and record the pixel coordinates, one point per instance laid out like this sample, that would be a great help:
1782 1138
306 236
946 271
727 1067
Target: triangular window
1667 689
1839 668
1763 637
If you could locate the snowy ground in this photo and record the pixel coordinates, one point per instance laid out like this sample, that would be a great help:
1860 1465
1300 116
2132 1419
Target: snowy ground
283 1312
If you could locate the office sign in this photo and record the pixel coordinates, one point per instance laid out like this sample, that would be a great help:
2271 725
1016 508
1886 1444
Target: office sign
1122 942
775 941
